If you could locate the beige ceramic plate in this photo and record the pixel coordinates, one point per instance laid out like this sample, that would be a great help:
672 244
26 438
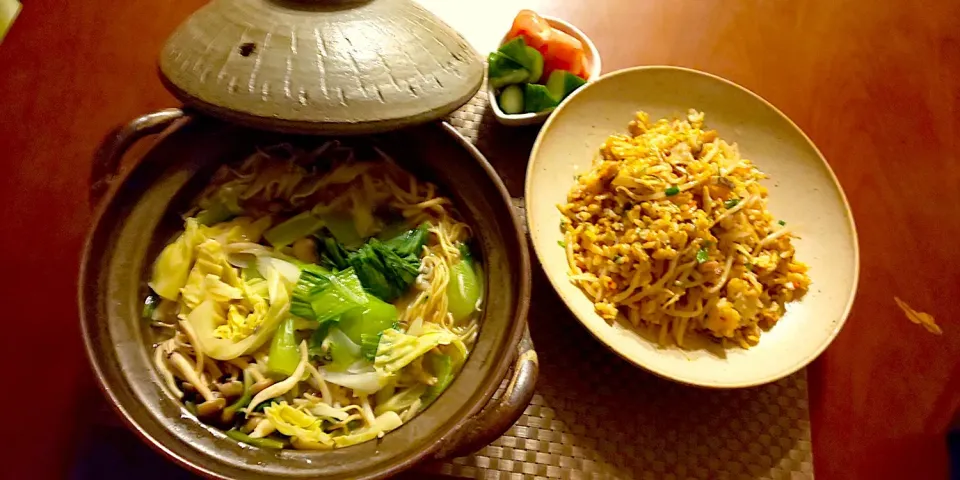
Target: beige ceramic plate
803 191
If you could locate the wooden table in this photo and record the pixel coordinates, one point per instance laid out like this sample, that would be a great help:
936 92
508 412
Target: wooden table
876 85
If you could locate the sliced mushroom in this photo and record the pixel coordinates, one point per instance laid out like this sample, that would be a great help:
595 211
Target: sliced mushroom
192 336
211 407
158 360
231 389
261 381
213 403
212 367
261 385
253 420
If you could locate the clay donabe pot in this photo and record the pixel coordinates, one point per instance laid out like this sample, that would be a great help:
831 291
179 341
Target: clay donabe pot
242 68
141 211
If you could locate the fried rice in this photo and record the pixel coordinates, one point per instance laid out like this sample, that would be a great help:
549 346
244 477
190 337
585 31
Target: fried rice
670 228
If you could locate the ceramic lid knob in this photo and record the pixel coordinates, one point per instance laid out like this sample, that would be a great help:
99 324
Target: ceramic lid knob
320 66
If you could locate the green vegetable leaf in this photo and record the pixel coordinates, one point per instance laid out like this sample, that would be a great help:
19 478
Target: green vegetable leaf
333 254
410 242
365 325
401 401
223 205
343 351
782 222
284 354
441 366
397 350
315 344
464 288
345 293
215 214
150 306
312 279
322 296
341 226
382 272
731 203
465 253
702 255
369 344
290 230
673 190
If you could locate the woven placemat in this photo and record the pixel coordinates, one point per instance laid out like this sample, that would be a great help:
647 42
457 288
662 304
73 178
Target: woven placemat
596 416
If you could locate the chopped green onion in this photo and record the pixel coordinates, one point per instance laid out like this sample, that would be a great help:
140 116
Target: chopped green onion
782 222
672 191
256 442
702 255
731 203
562 243
243 401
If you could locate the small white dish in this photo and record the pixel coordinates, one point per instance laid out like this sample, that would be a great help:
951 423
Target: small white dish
593 72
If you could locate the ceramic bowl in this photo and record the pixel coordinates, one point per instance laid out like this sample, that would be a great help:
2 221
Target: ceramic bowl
593 67
803 191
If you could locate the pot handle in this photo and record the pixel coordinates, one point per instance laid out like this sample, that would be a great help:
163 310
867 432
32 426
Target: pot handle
500 414
106 160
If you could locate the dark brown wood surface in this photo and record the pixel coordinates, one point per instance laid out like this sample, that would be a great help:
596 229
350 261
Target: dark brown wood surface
876 85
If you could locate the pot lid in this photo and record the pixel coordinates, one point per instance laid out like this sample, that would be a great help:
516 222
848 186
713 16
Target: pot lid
320 66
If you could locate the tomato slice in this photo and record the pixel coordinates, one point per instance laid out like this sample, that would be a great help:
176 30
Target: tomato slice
560 50
563 52
532 27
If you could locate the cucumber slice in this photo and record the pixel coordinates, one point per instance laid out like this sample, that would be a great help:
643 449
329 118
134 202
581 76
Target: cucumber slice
535 66
511 100
536 98
515 50
562 83
525 56
502 71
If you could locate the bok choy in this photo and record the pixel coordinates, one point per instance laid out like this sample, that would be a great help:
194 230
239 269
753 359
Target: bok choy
322 296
